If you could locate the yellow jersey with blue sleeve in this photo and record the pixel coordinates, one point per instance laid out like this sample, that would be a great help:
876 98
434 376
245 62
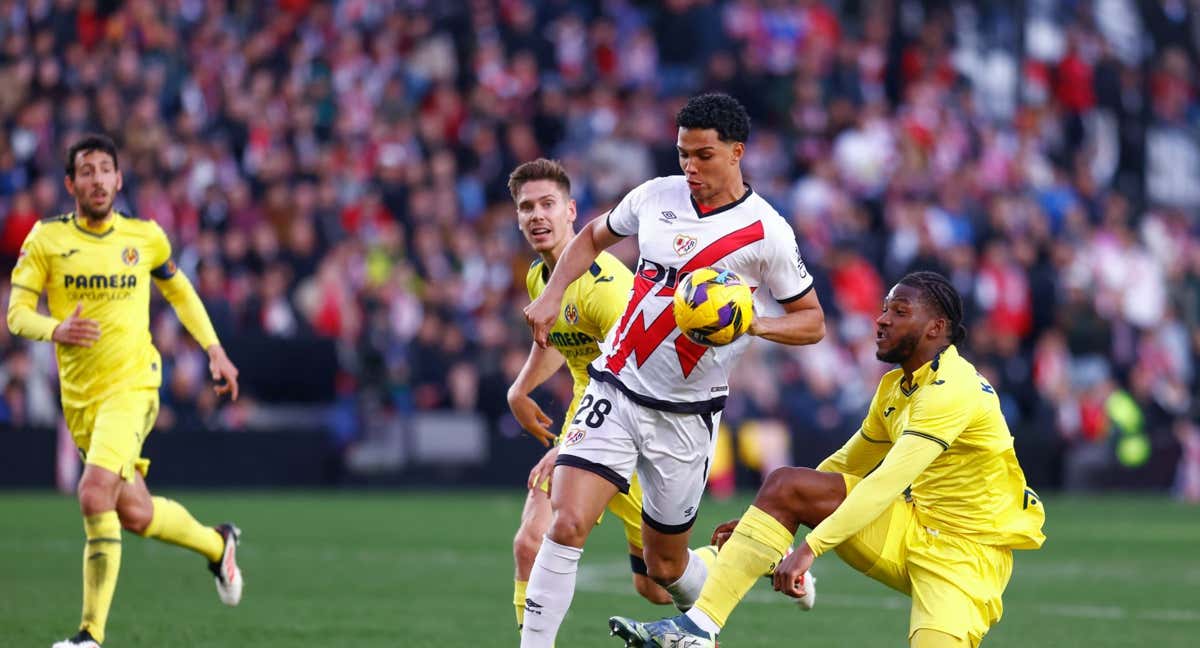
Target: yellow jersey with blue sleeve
591 306
107 271
944 437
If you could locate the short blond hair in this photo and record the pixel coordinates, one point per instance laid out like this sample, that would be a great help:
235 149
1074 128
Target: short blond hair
539 169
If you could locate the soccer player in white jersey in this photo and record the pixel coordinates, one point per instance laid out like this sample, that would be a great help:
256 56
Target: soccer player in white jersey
655 396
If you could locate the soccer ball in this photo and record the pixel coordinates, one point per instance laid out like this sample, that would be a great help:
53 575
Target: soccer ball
713 307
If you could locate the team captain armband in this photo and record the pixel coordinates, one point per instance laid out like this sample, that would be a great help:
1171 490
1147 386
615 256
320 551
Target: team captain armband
165 271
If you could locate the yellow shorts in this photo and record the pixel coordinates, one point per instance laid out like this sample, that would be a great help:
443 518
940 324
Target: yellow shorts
955 583
626 506
110 433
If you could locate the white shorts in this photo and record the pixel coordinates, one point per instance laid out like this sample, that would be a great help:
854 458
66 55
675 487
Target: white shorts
612 436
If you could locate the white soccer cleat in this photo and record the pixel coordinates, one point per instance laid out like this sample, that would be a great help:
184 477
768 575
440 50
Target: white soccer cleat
225 571
809 599
81 640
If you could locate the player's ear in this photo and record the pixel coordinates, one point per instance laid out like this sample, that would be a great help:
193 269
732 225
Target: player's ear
937 326
739 149
572 211
69 184
120 180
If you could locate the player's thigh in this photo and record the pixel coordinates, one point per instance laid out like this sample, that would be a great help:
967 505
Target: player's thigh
676 452
119 429
957 585
878 550
627 507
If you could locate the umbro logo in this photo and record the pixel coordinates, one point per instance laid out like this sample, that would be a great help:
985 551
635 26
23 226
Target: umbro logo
70 252
668 217
689 510
532 607
604 279
888 411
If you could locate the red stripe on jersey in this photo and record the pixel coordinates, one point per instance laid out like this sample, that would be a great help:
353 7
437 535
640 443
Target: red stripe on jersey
689 354
719 249
641 288
642 341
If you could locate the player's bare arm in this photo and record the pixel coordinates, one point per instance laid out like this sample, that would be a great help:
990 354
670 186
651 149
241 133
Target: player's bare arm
803 322
578 256
539 366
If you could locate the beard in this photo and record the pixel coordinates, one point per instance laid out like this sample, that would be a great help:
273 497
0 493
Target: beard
93 214
903 349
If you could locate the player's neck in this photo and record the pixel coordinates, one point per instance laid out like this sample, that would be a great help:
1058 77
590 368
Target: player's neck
89 222
919 359
550 257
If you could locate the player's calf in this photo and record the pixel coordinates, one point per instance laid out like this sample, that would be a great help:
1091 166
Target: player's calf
526 543
650 590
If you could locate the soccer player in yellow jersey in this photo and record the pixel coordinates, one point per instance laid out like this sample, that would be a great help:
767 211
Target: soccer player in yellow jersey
95 266
591 306
927 497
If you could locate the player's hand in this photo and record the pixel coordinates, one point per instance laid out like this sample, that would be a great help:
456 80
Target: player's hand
77 330
723 531
532 418
789 575
223 372
543 469
540 314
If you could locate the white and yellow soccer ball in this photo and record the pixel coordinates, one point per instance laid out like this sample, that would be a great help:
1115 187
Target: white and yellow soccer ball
713 306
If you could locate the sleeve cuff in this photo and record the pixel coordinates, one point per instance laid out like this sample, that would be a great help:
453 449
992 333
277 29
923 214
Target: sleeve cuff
608 224
802 293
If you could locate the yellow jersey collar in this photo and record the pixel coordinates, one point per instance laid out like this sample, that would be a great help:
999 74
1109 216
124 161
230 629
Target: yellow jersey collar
111 221
922 374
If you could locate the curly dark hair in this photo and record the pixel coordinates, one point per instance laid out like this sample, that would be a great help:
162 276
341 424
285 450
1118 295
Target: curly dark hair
939 293
718 111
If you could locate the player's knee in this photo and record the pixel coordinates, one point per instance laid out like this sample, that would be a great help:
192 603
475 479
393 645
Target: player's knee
569 528
97 493
136 517
525 547
650 590
781 489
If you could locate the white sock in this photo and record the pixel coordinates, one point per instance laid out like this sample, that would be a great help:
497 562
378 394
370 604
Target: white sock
551 588
704 621
686 590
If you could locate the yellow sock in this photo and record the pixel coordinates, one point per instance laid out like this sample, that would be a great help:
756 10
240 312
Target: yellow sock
172 523
101 564
519 600
757 544
927 638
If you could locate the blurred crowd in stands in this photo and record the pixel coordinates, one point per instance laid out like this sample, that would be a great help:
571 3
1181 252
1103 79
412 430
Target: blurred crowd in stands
337 170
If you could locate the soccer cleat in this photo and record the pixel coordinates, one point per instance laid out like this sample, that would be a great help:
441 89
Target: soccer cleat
81 640
809 599
228 576
676 632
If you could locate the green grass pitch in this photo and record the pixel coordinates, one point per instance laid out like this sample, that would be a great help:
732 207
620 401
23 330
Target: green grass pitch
423 570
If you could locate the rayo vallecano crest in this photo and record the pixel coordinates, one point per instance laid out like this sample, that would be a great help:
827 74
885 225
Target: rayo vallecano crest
683 244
